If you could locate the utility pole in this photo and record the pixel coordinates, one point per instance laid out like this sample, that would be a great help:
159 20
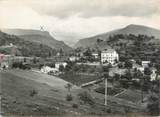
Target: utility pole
142 90
105 82
105 103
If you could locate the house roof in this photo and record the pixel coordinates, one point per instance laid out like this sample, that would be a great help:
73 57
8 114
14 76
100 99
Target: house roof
145 62
108 51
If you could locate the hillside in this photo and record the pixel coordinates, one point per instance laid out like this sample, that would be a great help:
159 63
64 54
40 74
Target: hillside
16 90
28 93
130 29
42 37
24 47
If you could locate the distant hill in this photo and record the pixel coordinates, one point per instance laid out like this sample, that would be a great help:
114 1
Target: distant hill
130 29
38 36
24 47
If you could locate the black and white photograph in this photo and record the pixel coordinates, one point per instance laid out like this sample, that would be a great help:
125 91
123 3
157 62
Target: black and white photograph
79 58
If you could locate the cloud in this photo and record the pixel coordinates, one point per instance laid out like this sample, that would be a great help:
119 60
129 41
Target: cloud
70 20
19 16
93 8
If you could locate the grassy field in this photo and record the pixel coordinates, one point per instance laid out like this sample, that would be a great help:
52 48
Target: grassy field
78 79
110 91
131 95
17 89
29 93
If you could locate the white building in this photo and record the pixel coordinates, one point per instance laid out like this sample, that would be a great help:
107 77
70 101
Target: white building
145 63
95 55
74 58
109 56
138 67
154 74
47 69
58 64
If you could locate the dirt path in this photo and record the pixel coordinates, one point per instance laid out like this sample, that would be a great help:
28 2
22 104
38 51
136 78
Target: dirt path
120 93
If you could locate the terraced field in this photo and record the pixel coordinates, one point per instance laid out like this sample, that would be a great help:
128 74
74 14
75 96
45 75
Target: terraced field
131 95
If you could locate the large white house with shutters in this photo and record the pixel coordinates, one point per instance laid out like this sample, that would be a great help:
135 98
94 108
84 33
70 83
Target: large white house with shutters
109 56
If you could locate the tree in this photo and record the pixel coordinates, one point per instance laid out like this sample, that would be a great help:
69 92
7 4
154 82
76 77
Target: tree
105 69
61 68
76 68
142 88
147 71
116 77
69 66
4 67
120 65
61 52
24 60
88 52
128 75
139 62
99 40
34 60
128 64
49 54
138 74
68 86
158 70
69 97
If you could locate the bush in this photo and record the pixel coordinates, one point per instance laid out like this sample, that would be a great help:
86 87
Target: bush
20 65
69 97
108 110
33 92
86 98
128 64
75 105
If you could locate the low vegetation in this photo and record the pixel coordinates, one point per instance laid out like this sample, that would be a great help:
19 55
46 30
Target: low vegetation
33 93
69 97
86 98
20 65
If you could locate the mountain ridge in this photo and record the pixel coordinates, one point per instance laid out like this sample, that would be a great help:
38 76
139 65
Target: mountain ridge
23 47
38 36
129 29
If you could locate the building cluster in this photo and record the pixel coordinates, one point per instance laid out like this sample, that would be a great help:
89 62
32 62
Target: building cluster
53 70
109 56
6 61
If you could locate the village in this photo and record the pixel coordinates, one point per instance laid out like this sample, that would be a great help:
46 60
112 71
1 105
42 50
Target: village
57 64
128 83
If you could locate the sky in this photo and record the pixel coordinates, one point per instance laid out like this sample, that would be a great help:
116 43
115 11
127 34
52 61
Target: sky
71 20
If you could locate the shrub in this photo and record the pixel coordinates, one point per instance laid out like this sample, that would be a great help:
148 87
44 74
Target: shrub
75 105
33 92
108 110
86 98
69 97
20 65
